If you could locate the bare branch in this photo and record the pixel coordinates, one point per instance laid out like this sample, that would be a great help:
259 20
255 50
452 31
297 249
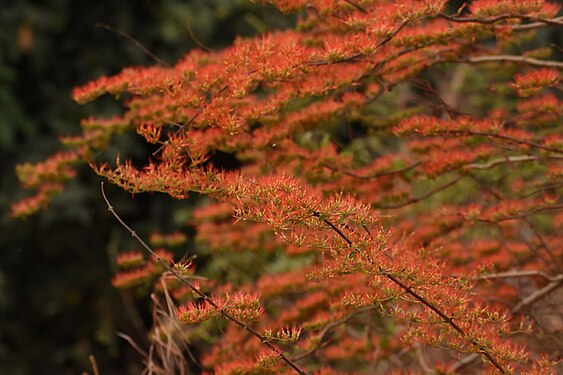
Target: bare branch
133 344
134 41
516 274
491 20
506 160
94 365
506 138
558 21
516 59
537 295
523 215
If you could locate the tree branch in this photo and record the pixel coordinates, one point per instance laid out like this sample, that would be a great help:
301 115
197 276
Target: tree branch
558 21
355 56
135 42
202 295
491 20
517 59
537 295
521 216
532 298
506 160
448 320
516 274
506 138
420 197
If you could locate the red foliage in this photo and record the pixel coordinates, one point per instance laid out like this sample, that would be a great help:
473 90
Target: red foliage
390 233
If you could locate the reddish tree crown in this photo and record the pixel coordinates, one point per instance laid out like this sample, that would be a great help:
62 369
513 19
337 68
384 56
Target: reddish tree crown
400 160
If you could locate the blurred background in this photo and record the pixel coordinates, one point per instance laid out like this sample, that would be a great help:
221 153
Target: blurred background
57 305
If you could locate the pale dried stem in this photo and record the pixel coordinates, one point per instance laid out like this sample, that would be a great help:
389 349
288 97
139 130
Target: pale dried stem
94 365
516 59
517 274
510 159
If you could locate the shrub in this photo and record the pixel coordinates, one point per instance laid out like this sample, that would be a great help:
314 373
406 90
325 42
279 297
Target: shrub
383 177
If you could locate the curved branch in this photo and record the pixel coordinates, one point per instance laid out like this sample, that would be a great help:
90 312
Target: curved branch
138 44
491 20
537 295
558 21
506 160
516 59
516 274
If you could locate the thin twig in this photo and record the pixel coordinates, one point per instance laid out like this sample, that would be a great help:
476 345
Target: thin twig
372 175
133 344
134 41
506 138
187 123
94 365
169 316
492 20
426 369
535 25
523 215
555 261
322 335
517 274
195 39
357 6
505 160
517 59
126 298
359 54
538 294
202 295
420 197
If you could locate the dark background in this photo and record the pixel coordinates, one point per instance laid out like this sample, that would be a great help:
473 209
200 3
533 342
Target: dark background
57 305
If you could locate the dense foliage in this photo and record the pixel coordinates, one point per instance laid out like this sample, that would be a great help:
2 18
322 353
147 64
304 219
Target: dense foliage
379 191
57 305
